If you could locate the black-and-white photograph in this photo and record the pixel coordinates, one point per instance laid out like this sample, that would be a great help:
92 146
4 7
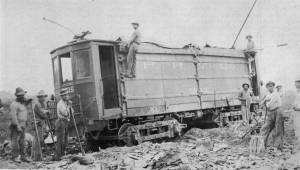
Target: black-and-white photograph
150 85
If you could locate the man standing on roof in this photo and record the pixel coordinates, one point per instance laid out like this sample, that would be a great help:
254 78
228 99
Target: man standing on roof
273 128
133 44
64 108
41 114
245 96
19 117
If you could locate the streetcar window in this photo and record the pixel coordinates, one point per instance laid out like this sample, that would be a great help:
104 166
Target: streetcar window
56 70
82 64
66 68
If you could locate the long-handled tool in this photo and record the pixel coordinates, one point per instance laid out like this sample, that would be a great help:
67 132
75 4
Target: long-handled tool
78 138
257 142
36 130
50 130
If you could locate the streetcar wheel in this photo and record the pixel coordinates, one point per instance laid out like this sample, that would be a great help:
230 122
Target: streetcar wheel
125 135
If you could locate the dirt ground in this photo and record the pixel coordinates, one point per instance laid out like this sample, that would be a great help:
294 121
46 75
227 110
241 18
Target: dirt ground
219 148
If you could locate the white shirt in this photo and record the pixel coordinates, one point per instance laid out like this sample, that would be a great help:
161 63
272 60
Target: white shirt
273 100
63 110
263 92
136 37
297 100
250 46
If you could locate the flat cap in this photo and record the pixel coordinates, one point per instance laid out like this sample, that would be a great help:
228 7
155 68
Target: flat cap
245 84
270 83
41 93
249 36
63 92
135 23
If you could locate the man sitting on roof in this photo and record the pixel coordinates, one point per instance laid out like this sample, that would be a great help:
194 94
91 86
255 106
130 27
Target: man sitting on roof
250 51
250 54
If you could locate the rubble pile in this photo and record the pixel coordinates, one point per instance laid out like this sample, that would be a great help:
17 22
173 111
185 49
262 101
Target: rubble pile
219 148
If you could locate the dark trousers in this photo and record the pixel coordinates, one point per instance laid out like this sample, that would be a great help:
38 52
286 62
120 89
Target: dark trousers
131 59
17 141
250 54
61 131
273 129
36 155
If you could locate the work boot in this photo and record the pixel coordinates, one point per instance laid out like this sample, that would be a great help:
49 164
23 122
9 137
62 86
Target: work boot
24 159
16 159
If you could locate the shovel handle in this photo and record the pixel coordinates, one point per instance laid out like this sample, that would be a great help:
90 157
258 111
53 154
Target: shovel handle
77 134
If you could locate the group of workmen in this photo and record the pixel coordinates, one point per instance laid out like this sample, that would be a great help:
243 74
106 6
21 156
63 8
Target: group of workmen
20 111
271 101
21 108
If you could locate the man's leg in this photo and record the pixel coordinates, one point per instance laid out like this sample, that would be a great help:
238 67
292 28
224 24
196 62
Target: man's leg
129 59
296 116
14 141
22 145
267 127
245 115
37 155
279 129
59 135
65 143
248 113
133 67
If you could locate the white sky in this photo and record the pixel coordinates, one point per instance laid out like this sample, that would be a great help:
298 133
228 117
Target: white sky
26 39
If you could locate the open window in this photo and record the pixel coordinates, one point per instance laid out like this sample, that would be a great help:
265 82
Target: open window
82 64
66 68
56 71
109 78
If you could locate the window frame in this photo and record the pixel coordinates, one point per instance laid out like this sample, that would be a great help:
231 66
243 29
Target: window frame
89 65
56 75
60 68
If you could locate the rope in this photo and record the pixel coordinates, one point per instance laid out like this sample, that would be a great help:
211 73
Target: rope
60 25
243 24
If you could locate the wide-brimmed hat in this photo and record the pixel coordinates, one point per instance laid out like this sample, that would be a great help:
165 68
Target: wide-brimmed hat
41 93
135 23
20 92
64 92
244 84
270 83
249 36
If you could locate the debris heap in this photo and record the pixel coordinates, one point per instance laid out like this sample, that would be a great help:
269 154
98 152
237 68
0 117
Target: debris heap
198 149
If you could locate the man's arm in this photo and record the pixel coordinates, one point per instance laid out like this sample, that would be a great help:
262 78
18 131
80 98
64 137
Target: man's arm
42 113
296 105
13 115
264 100
240 96
61 110
133 38
275 102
